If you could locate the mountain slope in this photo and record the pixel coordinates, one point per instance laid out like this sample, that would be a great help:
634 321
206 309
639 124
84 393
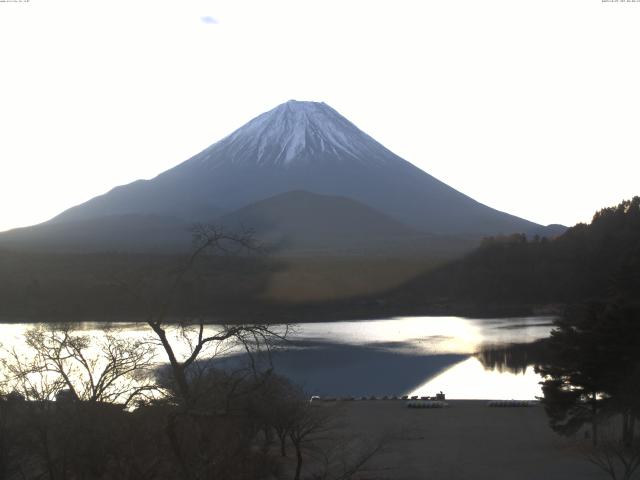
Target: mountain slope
291 222
129 232
301 146
300 219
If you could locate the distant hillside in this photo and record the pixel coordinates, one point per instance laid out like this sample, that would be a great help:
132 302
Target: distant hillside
295 222
301 220
592 261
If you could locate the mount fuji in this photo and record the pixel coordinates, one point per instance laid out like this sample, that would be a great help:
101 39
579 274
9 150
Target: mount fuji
302 147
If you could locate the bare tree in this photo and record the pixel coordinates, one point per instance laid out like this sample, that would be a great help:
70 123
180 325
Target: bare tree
106 367
617 456
307 425
190 343
102 373
208 241
343 457
275 406
332 453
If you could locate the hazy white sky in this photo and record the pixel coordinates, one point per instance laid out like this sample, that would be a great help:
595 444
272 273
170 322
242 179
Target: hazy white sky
529 106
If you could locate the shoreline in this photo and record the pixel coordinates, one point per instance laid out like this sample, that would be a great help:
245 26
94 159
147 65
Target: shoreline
293 317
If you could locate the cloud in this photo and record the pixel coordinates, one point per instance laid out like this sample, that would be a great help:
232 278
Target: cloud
209 20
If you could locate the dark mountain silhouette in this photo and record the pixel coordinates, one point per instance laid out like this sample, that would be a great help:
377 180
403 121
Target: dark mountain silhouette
550 231
296 146
598 261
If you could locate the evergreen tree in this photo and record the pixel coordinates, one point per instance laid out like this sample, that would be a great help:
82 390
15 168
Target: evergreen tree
593 368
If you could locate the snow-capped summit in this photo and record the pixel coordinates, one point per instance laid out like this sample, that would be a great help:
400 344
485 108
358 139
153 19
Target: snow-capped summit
295 132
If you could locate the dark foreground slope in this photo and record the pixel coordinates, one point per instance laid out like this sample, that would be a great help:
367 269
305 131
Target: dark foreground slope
506 275
587 262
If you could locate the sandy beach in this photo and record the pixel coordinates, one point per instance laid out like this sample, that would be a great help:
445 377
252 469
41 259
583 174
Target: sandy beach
466 440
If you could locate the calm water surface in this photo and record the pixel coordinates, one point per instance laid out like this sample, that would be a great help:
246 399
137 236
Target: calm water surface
396 356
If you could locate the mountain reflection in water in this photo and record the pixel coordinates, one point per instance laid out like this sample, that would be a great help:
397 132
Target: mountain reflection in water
336 369
464 357
494 372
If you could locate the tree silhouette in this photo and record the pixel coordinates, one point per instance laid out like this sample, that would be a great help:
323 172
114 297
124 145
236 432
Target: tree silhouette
592 368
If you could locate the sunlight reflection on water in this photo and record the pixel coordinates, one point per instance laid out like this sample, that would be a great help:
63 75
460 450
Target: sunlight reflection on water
431 334
470 380
425 341
395 343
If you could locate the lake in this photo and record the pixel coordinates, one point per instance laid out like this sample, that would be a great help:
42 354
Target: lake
395 356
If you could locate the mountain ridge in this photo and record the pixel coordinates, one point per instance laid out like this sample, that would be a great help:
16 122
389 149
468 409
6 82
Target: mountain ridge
300 146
